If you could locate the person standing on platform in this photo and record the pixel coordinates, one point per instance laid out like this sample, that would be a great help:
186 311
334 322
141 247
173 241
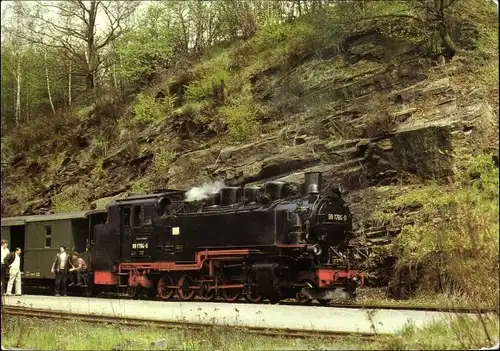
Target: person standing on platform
5 252
60 267
13 260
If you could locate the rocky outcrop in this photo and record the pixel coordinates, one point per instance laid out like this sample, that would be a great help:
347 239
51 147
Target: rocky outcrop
424 147
324 115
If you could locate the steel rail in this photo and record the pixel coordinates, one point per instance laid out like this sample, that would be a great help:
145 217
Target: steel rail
137 322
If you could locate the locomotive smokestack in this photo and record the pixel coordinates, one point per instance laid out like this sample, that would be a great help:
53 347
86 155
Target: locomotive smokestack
313 182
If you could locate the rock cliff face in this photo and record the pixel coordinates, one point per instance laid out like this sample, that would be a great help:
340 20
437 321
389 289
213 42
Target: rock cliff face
370 119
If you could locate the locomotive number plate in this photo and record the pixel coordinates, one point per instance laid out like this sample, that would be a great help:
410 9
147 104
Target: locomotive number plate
140 245
337 217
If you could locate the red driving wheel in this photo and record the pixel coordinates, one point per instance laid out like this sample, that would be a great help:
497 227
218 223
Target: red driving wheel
185 292
204 293
164 291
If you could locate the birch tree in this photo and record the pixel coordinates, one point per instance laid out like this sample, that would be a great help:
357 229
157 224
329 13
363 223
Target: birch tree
79 34
47 78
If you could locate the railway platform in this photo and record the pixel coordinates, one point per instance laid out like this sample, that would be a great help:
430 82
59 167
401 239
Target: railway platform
277 317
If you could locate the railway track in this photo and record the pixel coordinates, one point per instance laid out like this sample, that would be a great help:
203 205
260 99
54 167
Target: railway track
138 322
270 319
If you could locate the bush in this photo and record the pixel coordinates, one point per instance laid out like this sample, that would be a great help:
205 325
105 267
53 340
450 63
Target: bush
280 44
71 199
162 160
142 186
454 240
40 135
211 77
148 110
241 122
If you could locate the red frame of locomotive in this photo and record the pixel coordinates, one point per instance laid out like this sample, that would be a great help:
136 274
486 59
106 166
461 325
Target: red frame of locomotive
138 272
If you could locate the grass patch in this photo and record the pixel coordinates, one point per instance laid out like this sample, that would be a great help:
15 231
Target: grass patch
241 121
23 192
162 160
452 246
375 296
71 199
54 335
211 77
461 333
83 112
148 110
142 186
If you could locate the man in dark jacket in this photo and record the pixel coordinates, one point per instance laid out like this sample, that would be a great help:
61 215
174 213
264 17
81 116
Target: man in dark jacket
60 267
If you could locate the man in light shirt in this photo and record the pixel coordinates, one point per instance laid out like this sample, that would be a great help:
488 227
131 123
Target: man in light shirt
5 252
60 267
13 260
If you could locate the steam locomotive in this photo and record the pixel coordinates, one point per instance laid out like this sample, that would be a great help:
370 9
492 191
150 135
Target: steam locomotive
273 242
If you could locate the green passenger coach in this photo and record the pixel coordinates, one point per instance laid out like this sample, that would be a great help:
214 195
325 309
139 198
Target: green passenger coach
40 236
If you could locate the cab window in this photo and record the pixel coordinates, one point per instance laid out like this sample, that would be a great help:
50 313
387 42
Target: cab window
126 217
137 216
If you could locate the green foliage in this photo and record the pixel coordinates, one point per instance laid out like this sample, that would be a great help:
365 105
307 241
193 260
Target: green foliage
142 186
30 333
34 101
38 138
143 48
22 192
484 16
83 112
211 77
98 171
455 237
459 333
162 160
71 199
148 110
241 122
276 44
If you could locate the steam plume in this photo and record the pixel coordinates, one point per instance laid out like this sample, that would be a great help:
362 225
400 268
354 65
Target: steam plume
202 192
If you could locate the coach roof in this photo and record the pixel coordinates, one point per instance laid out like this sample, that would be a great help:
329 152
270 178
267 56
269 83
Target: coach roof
20 220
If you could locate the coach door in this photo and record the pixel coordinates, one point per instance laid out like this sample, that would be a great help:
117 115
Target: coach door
126 231
142 225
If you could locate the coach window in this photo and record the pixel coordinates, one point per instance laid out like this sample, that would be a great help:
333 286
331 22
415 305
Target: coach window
137 216
48 236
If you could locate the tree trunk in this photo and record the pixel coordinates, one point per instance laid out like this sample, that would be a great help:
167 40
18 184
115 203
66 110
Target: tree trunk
115 80
92 58
48 82
18 94
69 84
449 45
27 102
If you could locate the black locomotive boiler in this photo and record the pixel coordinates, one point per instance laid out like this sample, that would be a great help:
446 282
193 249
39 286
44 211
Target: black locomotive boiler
273 242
